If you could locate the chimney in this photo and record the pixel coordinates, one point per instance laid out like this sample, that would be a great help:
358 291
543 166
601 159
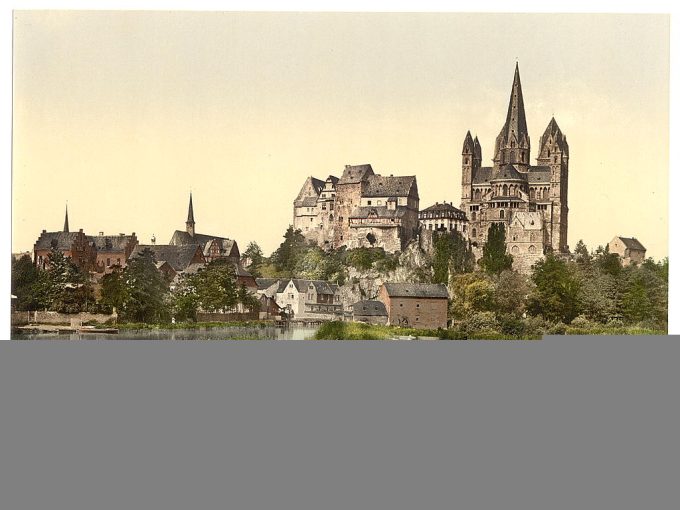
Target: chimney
101 233
44 231
153 239
80 230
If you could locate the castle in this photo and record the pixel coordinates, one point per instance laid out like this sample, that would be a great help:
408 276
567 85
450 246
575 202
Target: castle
530 200
360 209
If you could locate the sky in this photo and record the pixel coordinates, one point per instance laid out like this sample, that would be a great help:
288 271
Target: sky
121 114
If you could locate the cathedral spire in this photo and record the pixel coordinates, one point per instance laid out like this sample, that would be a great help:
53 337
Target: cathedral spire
190 217
512 143
66 220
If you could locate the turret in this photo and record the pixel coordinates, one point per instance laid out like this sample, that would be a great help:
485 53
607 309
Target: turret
66 220
468 166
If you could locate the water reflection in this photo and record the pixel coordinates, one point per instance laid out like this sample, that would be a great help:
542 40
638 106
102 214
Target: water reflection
227 333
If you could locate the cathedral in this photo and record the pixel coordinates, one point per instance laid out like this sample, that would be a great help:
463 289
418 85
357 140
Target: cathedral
531 200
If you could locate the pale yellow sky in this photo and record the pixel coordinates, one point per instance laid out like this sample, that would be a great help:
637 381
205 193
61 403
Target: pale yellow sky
122 113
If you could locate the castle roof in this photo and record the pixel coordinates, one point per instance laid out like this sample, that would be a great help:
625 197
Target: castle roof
332 178
372 308
182 238
417 290
307 202
355 173
553 134
482 175
538 174
445 208
321 286
179 257
318 184
508 171
632 243
400 186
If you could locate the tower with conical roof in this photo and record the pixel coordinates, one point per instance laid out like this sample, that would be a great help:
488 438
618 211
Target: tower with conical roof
66 220
191 224
512 143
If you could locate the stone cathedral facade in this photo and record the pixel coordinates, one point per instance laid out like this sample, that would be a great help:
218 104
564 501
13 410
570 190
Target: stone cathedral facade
531 200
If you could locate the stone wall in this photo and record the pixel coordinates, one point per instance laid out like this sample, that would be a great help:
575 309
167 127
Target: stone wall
227 317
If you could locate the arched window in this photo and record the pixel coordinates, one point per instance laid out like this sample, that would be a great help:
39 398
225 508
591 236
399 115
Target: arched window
478 194
505 190
532 249
514 249
502 214
467 160
532 237
532 194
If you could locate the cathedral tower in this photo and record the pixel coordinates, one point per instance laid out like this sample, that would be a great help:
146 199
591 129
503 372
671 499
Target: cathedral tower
66 220
468 166
512 143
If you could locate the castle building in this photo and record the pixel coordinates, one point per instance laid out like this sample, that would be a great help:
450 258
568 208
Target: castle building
512 187
443 218
75 245
629 250
360 209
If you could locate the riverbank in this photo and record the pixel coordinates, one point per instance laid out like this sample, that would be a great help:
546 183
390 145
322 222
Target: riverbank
360 331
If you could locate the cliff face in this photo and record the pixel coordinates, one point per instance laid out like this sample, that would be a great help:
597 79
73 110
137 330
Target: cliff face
414 266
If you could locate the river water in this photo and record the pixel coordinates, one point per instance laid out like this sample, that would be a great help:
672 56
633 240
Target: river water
226 333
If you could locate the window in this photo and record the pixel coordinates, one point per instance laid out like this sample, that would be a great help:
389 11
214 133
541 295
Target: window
474 216
474 232
514 249
502 214
417 305
532 249
108 261
369 202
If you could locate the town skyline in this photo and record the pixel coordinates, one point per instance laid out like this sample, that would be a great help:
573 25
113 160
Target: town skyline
121 104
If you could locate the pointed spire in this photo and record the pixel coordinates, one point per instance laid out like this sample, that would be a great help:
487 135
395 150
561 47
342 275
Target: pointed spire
190 217
468 144
512 143
66 220
191 224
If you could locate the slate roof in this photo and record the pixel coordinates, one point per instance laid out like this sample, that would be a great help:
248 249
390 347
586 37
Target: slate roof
443 208
419 290
333 179
182 238
58 240
508 171
307 202
482 175
369 308
538 174
322 287
110 243
265 283
179 257
632 243
381 186
318 184
381 212
355 173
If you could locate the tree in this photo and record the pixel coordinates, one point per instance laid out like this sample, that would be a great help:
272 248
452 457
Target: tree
555 296
145 290
255 257
512 290
608 263
25 277
452 255
494 257
62 287
471 293
286 255
114 290
581 253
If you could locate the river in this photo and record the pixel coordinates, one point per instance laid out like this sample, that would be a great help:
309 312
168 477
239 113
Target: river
225 333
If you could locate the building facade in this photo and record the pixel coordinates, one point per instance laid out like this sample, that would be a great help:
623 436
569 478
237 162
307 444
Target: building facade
496 194
629 250
415 305
443 218
113 251
370 312
359 209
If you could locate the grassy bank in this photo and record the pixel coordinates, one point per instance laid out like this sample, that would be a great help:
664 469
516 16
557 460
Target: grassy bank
360 331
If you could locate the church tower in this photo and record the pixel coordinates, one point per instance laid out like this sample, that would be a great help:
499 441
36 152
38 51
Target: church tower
554 154
66 220
191 224
512 143
468 166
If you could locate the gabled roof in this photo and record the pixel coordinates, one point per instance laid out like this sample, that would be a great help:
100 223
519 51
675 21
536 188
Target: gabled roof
182 238
111 243
355 173
318 184
321 286
538 174
442 207
632 243
265 283
307 202
400 186
58 240
508 171
333 179
417 290
553 134
369 308
179 257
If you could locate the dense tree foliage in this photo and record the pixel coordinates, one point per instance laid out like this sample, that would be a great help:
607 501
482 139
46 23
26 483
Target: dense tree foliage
255 258
145 291
286 256
452 255
555 296
25 277
494 258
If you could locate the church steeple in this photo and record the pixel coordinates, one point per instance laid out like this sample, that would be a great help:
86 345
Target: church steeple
512 143
66 220
190 218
